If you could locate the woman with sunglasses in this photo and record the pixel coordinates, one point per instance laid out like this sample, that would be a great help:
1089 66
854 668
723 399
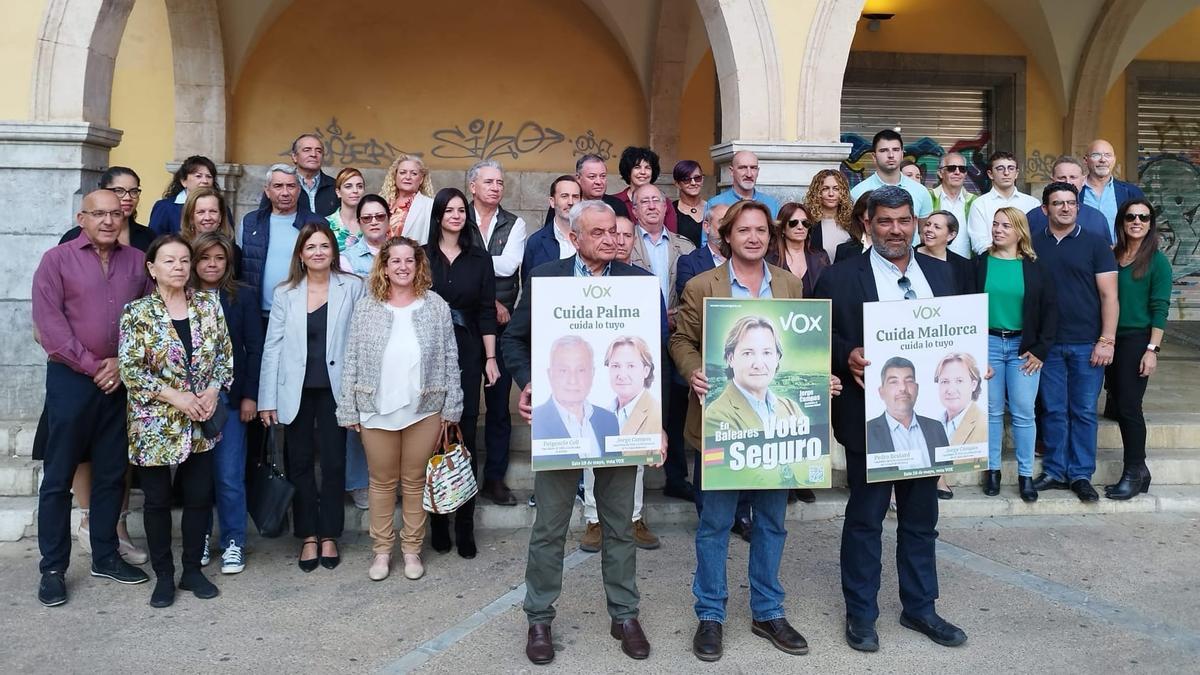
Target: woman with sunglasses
794 250
689 208
1144 295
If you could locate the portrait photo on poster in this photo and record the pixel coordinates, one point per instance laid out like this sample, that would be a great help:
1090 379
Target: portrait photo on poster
766 415
596 372
926 399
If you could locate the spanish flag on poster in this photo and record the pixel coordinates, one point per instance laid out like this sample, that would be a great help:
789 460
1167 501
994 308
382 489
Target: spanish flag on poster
714 456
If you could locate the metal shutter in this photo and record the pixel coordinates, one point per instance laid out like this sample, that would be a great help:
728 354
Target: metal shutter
1168 165
932 120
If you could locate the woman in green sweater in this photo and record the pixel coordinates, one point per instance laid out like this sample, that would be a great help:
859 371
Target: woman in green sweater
1144 294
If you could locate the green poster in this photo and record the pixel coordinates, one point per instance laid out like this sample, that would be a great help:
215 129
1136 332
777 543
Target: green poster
766 415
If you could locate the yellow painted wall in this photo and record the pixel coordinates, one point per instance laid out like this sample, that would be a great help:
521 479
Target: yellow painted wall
18 40
697 114
1177 43
790 23
143 101
1112 123
950 27
416 75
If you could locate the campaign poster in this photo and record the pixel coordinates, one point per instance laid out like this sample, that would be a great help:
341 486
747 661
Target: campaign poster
766 415
926 397
596 371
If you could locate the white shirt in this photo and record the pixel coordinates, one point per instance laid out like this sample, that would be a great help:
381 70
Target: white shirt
509 260
953 423
907 439
399 391
887 277
565 248
831 236
962 243
580 428
979 222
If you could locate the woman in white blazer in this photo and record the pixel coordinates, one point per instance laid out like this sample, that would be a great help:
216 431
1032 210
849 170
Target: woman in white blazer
301 378
409 195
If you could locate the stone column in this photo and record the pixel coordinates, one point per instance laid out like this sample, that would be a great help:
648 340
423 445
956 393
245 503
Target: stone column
47 168
785 167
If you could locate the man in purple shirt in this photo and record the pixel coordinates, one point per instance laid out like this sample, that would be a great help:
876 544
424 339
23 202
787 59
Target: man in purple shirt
79 291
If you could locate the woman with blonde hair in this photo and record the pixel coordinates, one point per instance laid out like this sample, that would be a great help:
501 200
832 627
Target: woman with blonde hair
1022 322
207 211
409 195
828 201
400 388
349 186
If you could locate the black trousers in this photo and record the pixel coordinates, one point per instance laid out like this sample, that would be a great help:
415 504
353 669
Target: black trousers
675 400
470 363
1127 390
497 428
81 422
195 479
862 544
315 433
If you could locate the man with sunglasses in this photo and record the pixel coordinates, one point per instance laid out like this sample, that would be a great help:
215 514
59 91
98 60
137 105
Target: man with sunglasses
890 271
951 195
1102 190
1085 272
1002 172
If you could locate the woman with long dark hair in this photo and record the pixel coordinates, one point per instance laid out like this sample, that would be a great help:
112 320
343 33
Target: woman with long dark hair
795 251
463 276
195 172
1144 296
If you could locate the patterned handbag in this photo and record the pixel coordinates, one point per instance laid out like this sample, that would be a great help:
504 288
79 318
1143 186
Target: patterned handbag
449 480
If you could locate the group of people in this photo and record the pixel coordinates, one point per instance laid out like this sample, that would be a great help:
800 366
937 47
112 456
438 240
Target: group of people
369 324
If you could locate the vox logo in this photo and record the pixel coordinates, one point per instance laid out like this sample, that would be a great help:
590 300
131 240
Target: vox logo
800 323
597 292
926 312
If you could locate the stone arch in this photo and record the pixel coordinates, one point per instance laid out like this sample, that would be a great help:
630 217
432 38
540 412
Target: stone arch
74 59
1092 77
819 106
198 59
743 44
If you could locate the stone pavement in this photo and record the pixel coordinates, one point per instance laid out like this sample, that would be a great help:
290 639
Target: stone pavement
1110 593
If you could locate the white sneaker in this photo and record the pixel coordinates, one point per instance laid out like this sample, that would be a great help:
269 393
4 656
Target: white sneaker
359 495
205 557
232 561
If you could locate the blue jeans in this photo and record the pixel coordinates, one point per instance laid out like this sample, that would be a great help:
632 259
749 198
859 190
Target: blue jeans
1020 391
766 550
1069 389
356 462
743 506
229 477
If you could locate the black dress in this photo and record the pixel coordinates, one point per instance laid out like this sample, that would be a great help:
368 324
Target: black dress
687 226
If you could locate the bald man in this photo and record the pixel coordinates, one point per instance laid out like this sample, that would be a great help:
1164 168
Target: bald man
743 169
1102 190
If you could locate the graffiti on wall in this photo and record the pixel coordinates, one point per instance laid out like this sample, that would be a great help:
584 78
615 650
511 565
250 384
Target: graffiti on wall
343 148
927 153
1169 174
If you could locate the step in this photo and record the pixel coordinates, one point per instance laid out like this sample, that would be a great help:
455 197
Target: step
19 476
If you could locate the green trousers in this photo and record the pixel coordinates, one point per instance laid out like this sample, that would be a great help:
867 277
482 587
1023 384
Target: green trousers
555 493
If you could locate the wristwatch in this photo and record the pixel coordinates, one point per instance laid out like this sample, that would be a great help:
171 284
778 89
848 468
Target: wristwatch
1153 348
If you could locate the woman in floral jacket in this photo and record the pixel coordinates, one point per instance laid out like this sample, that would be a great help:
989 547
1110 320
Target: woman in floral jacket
175 358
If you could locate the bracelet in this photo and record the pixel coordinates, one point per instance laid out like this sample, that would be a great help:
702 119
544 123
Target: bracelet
490 358
1105 341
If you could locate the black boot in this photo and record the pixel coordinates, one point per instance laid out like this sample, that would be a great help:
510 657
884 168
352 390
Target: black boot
1134 481
439 532
991 483
464 529
1025 487
194 580
164 591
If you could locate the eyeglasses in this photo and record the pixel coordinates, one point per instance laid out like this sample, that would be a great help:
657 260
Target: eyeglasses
122 192
373 218
906 286
1130 217
693 179
101 214
1005 168
1100 155
955 168
1059 203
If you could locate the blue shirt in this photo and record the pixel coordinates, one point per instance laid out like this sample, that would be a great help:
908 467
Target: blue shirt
1090 219
765 409
659 257
737 290
279 255
1106 203
909 438
922 200
312 194
1074 261
582 270
729 198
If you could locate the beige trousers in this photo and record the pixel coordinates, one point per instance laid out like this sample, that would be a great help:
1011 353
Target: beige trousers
399 457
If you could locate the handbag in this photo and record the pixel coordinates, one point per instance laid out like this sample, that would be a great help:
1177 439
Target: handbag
449 479
211 427
269 493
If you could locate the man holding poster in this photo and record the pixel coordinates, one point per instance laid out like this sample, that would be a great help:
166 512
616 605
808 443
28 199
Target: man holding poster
593 226
888 271
745 233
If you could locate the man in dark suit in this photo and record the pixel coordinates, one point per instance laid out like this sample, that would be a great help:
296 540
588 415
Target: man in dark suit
593 226
893 429
888 271
553 240
572 369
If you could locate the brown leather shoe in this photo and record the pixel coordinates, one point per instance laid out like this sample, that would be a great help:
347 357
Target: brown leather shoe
633 640
590 542
643 537
540 646
781 634
498 493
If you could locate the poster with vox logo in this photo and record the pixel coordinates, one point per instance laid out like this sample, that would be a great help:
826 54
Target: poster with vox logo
766 415
926 398
596 371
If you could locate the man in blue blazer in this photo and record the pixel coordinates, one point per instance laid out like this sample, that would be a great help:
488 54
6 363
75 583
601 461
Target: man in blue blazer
706 257
1102 190
572 369
593 227
889 270
552 240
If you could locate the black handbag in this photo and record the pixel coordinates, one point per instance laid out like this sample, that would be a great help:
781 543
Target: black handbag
269 494
212 427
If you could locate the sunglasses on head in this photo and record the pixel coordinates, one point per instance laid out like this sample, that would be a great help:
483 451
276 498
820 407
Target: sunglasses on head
1130 217
955 168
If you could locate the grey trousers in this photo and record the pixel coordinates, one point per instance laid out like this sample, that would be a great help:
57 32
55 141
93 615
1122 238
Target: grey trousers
555 493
